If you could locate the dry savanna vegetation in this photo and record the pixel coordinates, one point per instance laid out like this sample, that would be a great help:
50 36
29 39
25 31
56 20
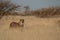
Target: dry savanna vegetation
47 12
34 28
42 24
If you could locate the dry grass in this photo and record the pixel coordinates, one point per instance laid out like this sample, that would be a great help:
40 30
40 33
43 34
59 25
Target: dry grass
34 29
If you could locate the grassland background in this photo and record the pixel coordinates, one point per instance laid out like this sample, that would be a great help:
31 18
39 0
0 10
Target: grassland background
34 28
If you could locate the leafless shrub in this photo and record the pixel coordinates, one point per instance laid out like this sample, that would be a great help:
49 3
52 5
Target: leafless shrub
47 12
6 7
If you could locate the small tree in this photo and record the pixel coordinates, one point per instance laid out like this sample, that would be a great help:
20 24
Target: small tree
6 7
27 10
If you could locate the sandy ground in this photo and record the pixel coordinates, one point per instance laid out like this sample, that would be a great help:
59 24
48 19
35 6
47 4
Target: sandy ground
34 28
